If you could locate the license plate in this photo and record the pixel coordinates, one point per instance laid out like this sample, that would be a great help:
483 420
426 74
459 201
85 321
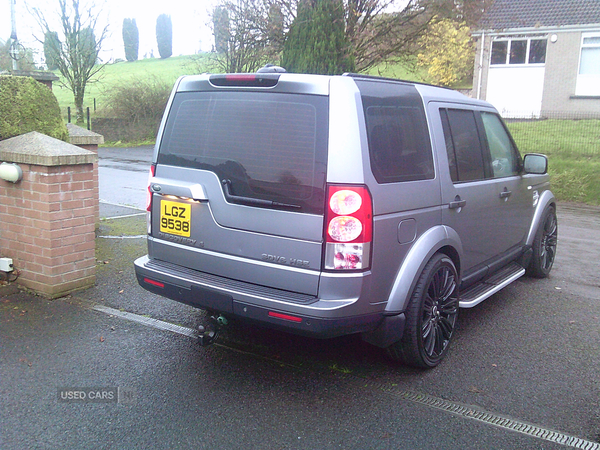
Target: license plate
175 218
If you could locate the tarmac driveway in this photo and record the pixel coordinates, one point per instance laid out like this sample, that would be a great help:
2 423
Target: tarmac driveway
523 372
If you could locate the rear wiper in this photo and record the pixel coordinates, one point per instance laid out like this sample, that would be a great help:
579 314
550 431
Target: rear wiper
253 201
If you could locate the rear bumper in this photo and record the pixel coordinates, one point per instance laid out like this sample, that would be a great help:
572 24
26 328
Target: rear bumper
287 311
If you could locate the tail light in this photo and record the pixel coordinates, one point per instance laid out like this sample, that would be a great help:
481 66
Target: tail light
149 199
348 228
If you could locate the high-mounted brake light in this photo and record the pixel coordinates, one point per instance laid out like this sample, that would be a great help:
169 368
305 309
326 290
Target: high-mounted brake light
245 80
240 77
349 228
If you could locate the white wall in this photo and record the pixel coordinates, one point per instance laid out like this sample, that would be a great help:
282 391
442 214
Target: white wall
516 90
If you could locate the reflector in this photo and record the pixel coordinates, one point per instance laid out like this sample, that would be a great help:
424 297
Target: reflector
285 317
154 283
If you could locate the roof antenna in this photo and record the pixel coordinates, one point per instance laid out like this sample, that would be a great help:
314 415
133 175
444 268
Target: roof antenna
271 68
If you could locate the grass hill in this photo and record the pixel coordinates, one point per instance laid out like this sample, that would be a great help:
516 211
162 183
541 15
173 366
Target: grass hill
166 69
169 70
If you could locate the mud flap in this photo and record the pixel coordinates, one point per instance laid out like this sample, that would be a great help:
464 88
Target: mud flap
389 331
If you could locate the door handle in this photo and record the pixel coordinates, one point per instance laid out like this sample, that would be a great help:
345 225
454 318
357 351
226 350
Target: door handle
457 203
505 194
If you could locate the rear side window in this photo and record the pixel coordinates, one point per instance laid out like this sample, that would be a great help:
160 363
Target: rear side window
270 146
463 145
399 144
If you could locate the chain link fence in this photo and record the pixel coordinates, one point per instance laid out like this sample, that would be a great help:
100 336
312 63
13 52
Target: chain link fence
557 133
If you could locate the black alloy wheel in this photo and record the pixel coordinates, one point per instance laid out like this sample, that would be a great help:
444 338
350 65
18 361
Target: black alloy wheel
431 316
544 245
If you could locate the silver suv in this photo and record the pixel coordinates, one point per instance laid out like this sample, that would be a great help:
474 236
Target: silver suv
331 205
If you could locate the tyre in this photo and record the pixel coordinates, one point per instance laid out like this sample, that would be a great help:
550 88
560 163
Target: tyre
544 245
430 317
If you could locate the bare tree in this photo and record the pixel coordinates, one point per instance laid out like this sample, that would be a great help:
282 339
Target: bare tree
241 23
386 30
79 43
380 30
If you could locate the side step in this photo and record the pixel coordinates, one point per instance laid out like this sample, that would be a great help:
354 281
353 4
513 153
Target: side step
488 287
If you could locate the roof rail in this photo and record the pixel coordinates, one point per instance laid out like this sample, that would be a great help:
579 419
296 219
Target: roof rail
377 77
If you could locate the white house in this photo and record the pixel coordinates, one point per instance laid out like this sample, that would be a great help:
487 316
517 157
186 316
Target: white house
538 58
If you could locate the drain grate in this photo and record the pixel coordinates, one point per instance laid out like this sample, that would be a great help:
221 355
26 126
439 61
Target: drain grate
470 412
148 321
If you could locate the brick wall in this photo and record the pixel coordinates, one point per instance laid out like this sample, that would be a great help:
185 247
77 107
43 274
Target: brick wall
88 140
47 221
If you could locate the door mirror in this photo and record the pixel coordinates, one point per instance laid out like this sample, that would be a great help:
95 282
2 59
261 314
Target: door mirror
535 163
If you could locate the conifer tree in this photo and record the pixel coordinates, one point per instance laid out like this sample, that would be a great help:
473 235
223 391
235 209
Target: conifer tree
164 35
317 42
131 39
51 46
221 29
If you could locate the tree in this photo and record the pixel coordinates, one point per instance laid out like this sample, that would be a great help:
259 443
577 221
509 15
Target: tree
376 30
316 42
471 11
447 51
381 30
164 35
384 30
131 39
77 47
246 48
221 29
51 43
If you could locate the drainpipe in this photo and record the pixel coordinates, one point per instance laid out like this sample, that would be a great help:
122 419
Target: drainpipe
479 80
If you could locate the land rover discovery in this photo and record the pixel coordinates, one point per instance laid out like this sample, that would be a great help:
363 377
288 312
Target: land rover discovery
331 205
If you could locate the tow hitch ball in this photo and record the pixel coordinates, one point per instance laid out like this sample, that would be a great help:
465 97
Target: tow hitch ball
207 334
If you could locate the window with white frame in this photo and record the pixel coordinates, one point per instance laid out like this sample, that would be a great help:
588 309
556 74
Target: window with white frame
518 50
588 78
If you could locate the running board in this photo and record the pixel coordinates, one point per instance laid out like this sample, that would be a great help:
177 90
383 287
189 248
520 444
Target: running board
488 287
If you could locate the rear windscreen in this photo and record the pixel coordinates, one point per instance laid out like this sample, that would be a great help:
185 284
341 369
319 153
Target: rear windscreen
268 146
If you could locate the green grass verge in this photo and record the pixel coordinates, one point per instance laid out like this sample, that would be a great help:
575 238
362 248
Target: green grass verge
573 149
400 70
125 226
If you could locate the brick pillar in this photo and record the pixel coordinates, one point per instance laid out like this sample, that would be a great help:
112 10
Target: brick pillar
88 140
47 220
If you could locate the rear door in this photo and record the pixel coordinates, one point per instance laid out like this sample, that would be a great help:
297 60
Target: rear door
239 184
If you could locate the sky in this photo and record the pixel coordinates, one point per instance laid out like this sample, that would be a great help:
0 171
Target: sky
191 27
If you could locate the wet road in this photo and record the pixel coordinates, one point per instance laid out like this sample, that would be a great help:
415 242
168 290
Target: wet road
522 373
123 177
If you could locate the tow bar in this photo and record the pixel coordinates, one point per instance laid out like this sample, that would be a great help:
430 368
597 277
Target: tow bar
209 332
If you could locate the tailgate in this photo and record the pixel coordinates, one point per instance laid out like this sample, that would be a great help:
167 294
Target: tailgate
239 187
